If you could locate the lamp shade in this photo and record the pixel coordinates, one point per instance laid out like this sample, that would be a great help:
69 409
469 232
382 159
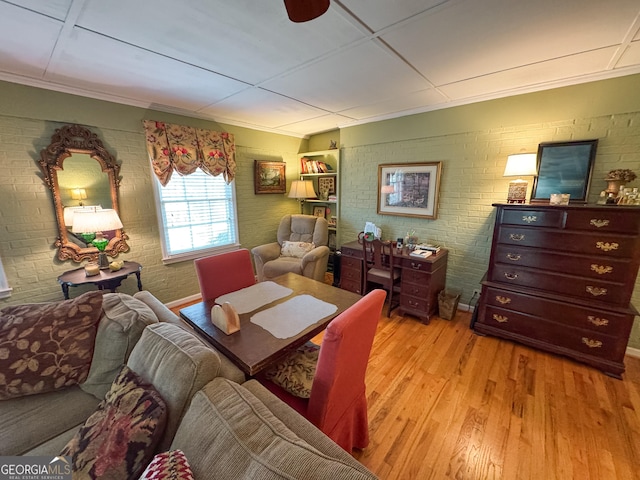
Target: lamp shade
521 164
302 189
69 213
95 221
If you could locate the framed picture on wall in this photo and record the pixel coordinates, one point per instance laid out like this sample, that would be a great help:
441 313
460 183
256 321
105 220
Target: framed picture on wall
269 177
564 167
409 189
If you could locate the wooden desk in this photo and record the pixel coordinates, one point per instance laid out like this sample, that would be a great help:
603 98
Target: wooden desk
422 278
106 279
253 348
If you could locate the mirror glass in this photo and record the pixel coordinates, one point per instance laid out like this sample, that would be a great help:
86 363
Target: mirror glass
81 174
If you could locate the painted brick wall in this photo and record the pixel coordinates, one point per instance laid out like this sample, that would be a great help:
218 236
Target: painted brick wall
473 164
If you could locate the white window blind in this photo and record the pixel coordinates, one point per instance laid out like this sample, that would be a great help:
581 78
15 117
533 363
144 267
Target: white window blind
197 216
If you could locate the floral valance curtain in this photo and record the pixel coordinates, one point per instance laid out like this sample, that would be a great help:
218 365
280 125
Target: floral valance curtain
184 149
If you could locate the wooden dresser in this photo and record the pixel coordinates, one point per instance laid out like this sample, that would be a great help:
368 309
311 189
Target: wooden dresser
421 278
560 278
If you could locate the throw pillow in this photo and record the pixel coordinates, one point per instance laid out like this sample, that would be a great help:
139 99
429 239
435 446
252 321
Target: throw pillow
296 249
47 346
119 439
171 465
295 372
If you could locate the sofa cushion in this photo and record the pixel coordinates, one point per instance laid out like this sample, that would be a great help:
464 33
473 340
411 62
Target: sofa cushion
245 440
118 440
171 465
28 422
123 320
295 372
296 249
47 346
178 364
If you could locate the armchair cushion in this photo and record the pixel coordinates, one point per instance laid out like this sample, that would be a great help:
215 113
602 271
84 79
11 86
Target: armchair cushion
49 346
296 249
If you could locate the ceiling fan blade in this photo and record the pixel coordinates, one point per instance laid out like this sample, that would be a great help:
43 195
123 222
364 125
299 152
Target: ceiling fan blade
305 10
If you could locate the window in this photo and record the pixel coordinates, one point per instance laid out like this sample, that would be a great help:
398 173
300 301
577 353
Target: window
197 216
5 291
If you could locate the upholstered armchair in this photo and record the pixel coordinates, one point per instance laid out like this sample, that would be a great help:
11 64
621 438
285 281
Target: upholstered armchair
301 248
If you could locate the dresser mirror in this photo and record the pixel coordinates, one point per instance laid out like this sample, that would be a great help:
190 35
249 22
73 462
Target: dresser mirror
82 175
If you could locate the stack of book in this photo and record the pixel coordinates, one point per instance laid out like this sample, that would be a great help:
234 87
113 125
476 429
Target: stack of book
429 247
420 253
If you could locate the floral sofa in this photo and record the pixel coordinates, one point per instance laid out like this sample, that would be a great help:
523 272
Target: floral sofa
121 386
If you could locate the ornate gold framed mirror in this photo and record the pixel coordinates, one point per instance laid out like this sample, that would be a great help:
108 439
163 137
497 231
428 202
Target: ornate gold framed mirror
82 175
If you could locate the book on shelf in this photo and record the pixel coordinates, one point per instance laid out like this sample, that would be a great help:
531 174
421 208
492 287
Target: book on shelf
420 253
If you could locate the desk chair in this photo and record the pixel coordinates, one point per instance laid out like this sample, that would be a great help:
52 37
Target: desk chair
379 269
224 273
337 402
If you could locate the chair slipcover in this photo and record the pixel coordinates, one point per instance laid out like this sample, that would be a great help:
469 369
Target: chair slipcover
224 273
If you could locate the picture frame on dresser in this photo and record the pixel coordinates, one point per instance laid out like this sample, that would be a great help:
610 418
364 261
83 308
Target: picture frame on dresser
564 167
409 189
269 177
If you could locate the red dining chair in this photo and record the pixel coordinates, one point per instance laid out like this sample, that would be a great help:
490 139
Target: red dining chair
224 273
337 404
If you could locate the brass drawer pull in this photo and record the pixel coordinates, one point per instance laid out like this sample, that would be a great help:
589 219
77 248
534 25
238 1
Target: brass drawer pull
500 318
510 276
413 304
416 265
529 218
606 246
513 256
596 291
601 269
518 237
591 343
599 223
598 322
503 300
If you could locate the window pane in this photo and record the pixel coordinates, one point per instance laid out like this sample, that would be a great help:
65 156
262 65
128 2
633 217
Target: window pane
198 212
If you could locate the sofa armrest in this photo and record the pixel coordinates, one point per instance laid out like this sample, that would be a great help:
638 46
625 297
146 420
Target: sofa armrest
163 312
227 368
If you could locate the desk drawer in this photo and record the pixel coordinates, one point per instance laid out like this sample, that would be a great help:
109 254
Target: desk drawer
354 286
351 262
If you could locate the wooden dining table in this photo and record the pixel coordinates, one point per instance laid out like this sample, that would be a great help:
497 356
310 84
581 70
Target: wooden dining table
254 348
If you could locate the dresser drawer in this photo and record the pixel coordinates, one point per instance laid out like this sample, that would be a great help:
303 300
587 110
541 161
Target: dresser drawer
538 218
559 336
622 220
609 268
588 244
584 288
589 318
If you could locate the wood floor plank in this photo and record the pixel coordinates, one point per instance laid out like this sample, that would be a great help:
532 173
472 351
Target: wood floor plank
445 403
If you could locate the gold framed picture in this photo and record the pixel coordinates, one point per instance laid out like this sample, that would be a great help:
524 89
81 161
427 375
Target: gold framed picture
269 177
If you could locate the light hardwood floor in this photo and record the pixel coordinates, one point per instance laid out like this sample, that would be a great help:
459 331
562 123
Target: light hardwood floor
447 403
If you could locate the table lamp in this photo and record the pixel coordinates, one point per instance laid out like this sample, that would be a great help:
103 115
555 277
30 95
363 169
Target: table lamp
96 222
519 165
301 190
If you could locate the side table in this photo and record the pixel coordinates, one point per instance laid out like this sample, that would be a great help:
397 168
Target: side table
106 279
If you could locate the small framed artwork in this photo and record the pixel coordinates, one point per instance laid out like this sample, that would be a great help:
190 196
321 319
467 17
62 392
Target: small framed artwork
269 177
328 184
319 212
564 167
409 189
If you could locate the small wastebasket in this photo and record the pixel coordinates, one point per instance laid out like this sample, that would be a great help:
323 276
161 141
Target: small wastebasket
448 303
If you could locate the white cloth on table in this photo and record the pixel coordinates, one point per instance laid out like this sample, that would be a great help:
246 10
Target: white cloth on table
251 298
293 316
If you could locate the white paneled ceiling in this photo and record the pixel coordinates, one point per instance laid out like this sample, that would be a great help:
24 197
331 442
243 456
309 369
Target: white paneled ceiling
242 62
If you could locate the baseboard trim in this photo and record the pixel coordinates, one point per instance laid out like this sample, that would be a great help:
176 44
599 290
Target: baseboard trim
633 352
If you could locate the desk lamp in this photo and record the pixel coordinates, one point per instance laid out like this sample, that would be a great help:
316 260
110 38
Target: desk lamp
302 189
519 165
96 222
